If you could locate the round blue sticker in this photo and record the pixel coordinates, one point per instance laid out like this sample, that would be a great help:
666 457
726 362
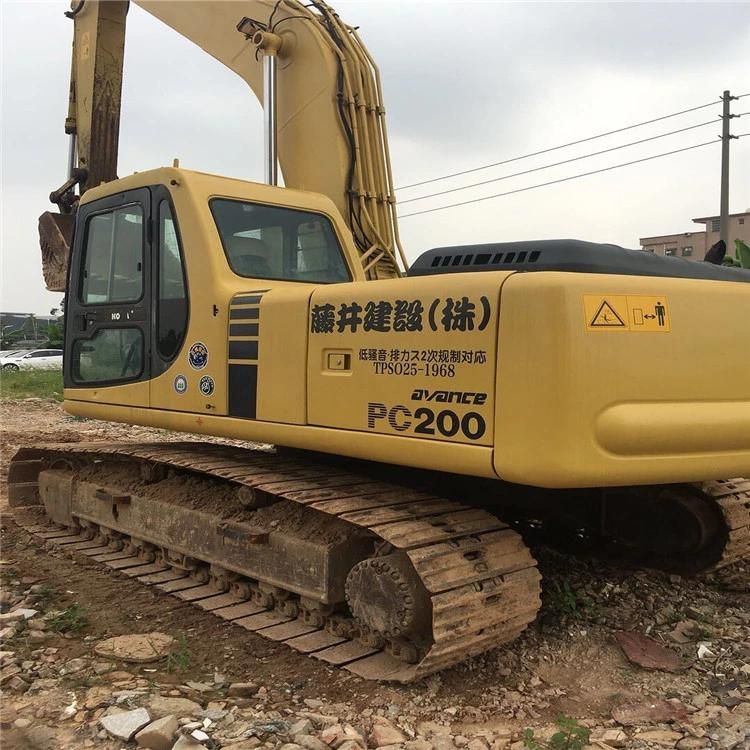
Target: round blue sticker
180 384
198 356
206 385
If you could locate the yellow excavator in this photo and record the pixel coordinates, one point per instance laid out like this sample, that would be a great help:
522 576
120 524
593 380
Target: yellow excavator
418 411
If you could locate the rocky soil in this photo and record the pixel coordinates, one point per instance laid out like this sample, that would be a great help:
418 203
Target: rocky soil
208 684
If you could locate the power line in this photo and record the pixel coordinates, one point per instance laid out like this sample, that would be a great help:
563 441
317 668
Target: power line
564 145
558 163
563 179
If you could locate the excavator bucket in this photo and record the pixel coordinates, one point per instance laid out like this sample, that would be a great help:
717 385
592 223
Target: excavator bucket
55 235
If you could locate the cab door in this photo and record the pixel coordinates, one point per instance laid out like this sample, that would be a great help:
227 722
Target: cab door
108 311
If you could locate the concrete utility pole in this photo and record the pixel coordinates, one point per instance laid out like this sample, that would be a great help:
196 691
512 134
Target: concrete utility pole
725 138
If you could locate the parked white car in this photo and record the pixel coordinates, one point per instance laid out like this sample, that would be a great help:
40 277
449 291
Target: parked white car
35 359
9 354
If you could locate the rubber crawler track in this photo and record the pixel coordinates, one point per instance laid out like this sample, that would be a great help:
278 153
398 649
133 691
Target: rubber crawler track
733 499
482 580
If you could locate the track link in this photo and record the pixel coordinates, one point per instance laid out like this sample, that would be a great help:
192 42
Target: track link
732 496
482 582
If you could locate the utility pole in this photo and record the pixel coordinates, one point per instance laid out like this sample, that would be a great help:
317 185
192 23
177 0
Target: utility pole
725 138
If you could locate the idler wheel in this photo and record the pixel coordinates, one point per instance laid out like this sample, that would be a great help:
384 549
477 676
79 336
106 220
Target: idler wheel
387 596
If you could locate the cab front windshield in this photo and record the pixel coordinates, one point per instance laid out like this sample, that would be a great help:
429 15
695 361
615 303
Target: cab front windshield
269 242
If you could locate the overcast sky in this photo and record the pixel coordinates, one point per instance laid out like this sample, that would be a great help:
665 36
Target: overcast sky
465 84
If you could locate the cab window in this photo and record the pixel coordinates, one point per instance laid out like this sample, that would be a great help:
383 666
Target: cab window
112 269
112 354
269 242
172 304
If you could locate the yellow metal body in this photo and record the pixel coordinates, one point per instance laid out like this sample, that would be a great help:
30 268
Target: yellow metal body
494 374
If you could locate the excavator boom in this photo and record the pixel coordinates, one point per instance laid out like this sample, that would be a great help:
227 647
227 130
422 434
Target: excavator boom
330 117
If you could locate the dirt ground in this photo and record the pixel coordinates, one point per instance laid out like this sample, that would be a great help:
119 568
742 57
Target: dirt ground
568 662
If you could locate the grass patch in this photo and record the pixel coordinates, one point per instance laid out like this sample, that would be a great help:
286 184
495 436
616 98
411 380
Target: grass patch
570 736
563 601
31 383
178 659
70 620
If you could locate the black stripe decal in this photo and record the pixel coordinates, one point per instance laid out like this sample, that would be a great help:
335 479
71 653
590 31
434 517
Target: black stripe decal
250 313
243 350
243 329
250 300
243 391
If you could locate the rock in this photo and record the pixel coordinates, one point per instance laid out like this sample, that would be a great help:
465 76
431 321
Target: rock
159 734
477 744
611 737
350 745
96 697
684 631
693 743
6 633
22 723
9 671
313 703
186 742
430 728
200 687
729 738
631 714
160 706
442 742
37 636
249 744
647 653
124 725
708 715
242 690
338 735
660 737
200 735
73 666
303 726
17 684
142 648
384 733
290 746
18 614
321 721
313 743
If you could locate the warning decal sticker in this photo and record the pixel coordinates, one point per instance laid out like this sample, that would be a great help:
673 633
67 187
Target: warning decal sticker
606 316
634 313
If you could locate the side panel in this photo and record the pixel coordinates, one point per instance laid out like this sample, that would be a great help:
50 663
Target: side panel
408 358
282 355
620 380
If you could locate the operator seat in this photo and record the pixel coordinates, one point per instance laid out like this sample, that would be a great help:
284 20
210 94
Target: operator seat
249 256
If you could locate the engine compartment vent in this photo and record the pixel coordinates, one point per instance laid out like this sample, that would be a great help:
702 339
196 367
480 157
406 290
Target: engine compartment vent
574 256
485 259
